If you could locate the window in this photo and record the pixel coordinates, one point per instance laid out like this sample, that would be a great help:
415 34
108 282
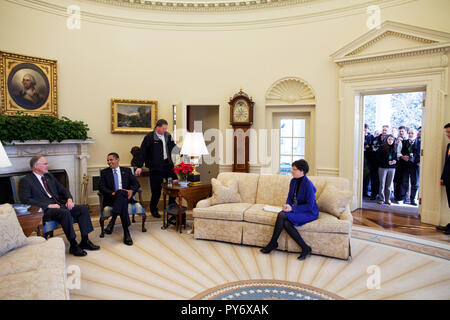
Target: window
292 143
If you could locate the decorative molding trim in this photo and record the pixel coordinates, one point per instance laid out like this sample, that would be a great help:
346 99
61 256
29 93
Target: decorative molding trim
331 172
225 168
418 51
255 168
277 13
202 6
434 42
398 64
390 33
290 90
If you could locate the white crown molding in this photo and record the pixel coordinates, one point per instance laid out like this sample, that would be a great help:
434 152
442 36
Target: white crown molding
202 6
131 15
429 42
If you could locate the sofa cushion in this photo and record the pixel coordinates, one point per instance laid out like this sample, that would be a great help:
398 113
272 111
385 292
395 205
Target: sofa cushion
256 214
327 223
273 189
248 183
225 194
225 211
11 233
320 183
334 201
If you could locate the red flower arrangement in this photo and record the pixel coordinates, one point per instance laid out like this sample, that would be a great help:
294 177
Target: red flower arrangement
182 170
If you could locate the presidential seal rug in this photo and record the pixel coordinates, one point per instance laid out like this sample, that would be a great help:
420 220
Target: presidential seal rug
164 264
265 290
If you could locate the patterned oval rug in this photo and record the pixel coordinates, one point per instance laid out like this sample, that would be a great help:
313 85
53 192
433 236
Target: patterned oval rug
265 290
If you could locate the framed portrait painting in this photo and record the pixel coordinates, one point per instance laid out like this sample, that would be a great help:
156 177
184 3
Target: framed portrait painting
133 116
28 84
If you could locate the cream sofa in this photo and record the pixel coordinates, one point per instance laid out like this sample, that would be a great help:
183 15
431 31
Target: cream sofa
247 223
31 268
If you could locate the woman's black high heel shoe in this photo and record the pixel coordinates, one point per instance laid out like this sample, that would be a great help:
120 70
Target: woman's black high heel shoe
305 253
267 249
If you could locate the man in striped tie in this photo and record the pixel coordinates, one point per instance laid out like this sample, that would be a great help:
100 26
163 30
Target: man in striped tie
40 188
118 186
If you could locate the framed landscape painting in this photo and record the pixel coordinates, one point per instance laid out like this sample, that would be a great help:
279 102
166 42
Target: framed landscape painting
28 85
133 116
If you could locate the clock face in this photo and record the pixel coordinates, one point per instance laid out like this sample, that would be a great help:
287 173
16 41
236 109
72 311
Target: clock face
241 112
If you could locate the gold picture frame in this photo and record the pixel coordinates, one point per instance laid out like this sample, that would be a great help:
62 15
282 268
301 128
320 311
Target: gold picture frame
28 84
133 116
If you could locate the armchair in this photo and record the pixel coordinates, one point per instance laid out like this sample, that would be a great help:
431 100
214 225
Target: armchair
49 226
133 209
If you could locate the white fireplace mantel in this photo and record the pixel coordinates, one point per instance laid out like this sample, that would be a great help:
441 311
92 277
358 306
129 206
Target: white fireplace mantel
70 155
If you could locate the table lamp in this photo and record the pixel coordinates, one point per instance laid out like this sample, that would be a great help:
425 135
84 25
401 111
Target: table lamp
194 146
4 161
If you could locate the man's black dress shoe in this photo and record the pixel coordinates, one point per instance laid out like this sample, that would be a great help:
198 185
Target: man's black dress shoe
305 253
88 245
127 239
156 214
109 229
77 251
413 203
443 228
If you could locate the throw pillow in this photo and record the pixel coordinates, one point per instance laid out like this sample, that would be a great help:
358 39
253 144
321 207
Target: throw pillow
334 201
225 194
11 233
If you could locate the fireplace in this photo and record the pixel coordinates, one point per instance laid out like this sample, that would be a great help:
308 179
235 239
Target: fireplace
69 156
6 194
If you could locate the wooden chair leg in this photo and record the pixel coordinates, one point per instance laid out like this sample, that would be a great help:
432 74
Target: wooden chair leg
102 227
144 217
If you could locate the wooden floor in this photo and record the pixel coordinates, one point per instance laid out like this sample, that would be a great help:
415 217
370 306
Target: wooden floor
398 223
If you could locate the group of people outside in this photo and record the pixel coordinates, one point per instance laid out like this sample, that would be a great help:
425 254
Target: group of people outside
392 165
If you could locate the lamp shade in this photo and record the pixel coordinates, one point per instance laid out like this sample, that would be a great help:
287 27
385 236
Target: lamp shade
194 144
4 161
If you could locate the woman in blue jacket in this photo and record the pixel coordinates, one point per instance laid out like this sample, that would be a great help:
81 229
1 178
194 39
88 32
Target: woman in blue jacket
300 208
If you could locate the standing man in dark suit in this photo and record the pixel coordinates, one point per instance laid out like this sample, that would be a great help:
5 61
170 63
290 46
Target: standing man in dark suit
118 186
40 188
155 153
445 177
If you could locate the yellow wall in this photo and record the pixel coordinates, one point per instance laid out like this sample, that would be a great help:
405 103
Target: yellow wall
103 61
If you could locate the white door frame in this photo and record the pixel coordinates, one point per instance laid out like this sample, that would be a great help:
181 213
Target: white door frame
351 140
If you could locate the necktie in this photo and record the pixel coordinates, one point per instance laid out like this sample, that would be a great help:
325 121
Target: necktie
116 180
44 181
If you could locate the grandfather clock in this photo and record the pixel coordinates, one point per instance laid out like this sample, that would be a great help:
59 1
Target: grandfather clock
241 119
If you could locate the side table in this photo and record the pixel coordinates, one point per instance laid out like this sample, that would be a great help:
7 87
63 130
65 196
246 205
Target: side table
32 221
192 194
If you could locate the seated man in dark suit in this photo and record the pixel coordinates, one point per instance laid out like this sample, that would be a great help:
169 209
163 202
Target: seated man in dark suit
118 185
40 188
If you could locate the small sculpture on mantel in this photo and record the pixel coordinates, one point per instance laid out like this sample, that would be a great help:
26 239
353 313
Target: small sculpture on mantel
135 152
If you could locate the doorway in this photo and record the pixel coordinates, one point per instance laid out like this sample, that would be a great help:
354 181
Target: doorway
392 150
200 118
